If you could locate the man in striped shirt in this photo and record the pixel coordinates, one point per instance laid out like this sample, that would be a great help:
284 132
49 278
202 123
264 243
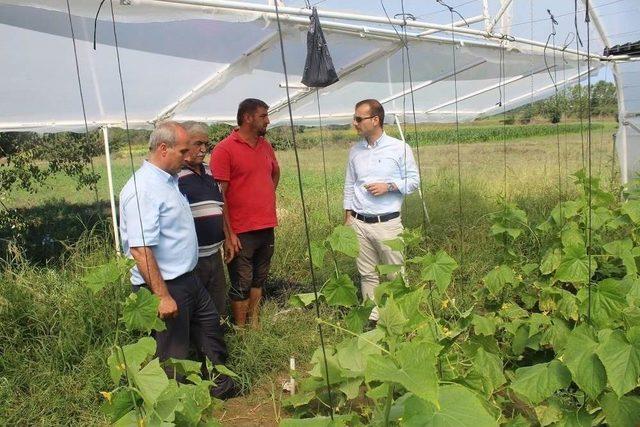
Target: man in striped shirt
205 199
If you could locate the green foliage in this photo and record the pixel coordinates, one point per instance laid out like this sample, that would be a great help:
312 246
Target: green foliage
458 406
573 102
437 268
556 330
108 274
55 339
140 312
473 134
585 366
30 158
340 291
219 131
541 381
344 240
144 394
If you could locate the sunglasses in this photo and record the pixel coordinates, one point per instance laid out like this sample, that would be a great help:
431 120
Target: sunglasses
358 119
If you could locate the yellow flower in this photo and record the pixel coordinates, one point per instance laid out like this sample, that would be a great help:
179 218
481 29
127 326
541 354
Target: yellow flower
445 303
106 395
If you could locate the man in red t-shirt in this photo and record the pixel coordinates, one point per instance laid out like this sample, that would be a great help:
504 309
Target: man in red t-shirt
246 167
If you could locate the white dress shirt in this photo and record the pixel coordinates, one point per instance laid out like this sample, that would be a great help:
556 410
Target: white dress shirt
388 160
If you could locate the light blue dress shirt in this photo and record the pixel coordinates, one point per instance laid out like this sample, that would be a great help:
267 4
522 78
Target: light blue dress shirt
387 160
167 223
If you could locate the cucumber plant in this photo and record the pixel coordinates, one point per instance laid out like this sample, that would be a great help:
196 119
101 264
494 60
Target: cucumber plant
143 394
552 336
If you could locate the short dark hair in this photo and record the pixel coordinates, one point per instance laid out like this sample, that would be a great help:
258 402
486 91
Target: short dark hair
249 106
375 108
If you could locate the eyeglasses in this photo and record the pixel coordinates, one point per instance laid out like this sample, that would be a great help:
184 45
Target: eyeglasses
358 119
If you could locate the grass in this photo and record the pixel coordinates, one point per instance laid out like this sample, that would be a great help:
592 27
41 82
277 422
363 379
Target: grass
442 134
54 337
53 341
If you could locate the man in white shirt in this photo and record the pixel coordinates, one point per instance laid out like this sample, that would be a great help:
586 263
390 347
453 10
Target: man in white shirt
380 171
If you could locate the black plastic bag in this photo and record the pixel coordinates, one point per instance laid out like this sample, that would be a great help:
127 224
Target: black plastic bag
318 68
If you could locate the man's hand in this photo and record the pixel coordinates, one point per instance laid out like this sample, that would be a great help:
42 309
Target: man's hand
234 245
347 217
167 308
229 253
377 188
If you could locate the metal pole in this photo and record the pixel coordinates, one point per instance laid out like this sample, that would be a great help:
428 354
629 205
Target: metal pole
624 162
112 197
501 12
465 22
291 12
486 15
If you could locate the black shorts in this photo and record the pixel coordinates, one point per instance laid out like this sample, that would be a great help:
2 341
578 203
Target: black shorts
250 267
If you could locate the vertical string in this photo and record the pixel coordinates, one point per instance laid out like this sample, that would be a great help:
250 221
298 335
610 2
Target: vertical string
502 102
457 135
557 123
425 214
601 150
139 409
553 76
578 58
531 53
587 19
324 160
84 110
405 53
304 209
564 117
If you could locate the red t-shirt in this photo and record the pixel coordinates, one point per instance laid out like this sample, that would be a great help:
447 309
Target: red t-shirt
251 195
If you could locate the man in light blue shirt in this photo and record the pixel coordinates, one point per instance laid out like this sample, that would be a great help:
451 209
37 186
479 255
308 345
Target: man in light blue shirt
158 232
381 170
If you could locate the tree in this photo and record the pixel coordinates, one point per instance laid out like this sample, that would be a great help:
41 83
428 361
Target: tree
28 159
604 99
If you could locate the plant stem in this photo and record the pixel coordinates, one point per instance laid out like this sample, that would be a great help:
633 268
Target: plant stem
354 334
387 408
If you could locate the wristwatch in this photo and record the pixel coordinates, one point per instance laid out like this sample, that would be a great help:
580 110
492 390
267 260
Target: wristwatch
390 187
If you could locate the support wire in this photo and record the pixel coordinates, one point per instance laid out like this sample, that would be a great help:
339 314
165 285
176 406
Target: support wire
554 79
405 53
324 160
458 147
304 209
425 213
578 45
587 20
84 110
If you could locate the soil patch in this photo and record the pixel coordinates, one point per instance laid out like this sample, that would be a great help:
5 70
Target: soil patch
262 407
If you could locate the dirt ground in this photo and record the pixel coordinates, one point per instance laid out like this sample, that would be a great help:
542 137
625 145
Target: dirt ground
262 407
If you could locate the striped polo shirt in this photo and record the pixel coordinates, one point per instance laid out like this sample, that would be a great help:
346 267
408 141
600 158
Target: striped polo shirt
205 200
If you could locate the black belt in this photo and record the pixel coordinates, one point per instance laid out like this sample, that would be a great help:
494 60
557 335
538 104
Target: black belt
375 218
178 279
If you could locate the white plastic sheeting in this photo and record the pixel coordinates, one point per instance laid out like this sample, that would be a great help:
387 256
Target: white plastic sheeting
188 61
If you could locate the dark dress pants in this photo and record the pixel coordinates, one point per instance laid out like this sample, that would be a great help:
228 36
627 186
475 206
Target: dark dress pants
198 323
210 272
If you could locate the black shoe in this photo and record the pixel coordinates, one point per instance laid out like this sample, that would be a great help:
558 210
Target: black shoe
225 388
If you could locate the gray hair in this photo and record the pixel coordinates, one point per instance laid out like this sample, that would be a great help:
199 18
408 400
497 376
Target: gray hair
194 128
164 132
